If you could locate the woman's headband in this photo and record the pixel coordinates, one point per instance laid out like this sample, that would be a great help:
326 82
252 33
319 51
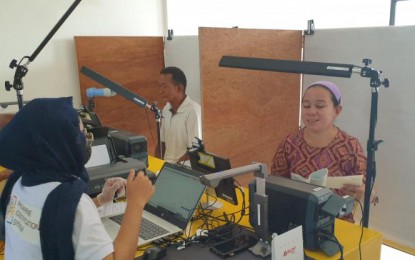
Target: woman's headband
330 86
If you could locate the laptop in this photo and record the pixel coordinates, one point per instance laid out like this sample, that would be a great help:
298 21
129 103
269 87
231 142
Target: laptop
177 193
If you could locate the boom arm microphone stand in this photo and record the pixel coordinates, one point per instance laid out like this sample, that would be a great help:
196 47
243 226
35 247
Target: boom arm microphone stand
22 69
333 70
122 91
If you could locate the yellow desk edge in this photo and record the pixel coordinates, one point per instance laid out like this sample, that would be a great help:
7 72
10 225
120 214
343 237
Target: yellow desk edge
154 164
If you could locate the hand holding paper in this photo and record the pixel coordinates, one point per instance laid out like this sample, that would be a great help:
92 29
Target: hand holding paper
321 178
355 191
317 178
339 181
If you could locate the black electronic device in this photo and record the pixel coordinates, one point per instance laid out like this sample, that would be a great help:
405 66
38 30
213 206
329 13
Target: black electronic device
293 203
89 119
99 174
130 145
105 163
154 253
205 162
233 245
103 141
99 132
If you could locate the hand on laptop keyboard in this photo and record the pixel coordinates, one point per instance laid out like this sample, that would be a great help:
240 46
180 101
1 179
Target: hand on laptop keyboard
151 175
138 188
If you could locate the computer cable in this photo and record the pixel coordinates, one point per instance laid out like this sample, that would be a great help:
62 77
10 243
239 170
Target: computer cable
215 199
362 229
144 247
331 237
172 240
233 214
241 189
243 208
220 233
208 220
201 237
230 218
151 130
212 222
216 233
240 212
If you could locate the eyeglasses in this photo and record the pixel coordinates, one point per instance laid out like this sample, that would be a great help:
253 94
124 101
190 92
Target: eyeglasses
88 136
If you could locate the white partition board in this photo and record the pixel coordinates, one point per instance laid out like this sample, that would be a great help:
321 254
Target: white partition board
392 51
183 52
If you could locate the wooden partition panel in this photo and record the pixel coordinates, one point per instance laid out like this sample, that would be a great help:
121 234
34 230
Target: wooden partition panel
246 112
134 63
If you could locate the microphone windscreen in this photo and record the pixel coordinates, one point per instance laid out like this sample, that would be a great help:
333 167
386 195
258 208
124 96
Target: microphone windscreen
99 92
90 92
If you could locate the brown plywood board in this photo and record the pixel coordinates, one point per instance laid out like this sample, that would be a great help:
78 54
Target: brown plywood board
247 112
132 62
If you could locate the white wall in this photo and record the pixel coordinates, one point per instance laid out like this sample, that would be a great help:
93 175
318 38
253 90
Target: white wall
24 24
183 52
404 13
391 49
185 16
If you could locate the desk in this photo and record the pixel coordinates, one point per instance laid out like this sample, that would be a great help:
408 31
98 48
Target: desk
347 233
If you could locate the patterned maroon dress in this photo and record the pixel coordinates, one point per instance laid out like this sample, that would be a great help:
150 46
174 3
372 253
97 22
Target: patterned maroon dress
342 157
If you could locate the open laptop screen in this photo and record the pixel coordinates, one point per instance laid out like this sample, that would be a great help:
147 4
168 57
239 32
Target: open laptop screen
178 191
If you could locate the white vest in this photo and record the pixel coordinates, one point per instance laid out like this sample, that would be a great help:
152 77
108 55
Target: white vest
178 131
89 237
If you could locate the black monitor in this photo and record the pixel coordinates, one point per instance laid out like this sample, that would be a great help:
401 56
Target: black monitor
205 162
293 203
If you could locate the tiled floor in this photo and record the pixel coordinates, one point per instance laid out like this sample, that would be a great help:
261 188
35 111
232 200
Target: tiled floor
389 253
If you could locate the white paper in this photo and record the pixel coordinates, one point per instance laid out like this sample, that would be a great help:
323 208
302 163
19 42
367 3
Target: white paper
298 177
99 156
321 178
317 178
112 209
288 246
338 182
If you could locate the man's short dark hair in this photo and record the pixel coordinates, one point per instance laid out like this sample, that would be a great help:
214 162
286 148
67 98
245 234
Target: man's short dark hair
178 76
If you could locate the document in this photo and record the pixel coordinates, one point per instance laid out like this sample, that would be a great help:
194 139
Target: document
112 209
321 178
338 182
99 156
317 178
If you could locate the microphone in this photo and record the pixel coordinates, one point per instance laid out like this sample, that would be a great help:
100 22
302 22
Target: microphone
99 92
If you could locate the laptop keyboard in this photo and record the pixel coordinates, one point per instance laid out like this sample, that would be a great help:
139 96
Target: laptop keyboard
148 229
